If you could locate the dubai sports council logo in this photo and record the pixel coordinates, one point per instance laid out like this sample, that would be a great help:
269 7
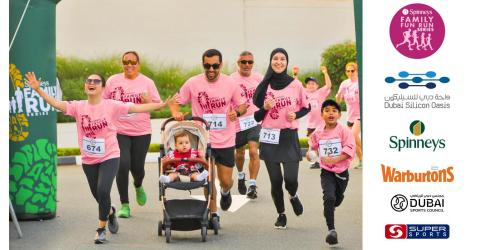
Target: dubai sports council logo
417 31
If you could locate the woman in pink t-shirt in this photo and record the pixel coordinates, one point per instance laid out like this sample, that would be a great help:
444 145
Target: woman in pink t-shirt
97 139
281 100
350 92
134 130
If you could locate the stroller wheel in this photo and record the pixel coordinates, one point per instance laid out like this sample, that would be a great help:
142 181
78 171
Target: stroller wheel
204 233
160 228
168 234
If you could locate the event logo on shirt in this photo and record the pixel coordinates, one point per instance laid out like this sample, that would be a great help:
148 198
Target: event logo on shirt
280 103
417 231
429 203
208 104
247 92
90 128
25 103
391 174
405 143
119 94
417 31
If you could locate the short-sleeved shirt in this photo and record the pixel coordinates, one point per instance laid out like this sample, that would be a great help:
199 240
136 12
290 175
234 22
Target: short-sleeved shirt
248 85
214 99
120 88
96 128
349 91
315 99
334 142
184 167
289 99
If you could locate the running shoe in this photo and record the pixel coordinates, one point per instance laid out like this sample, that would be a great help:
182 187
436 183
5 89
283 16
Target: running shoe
100 236
242 189
124 212
297 205
226 201
281 222
112 222
332 237
141 196
210 223
252 192
315 165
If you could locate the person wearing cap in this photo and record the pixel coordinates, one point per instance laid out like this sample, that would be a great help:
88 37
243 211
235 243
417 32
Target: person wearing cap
247 128
316 96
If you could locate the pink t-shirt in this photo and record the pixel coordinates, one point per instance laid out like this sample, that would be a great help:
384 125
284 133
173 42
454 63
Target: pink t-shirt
315 99
290 99
333 142
248 85
349 91
130 91
212 101
97 132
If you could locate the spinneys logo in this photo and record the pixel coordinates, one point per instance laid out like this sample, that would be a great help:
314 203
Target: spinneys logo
417 128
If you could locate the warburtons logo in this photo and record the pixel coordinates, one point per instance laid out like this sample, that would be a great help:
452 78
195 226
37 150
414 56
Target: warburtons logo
391 174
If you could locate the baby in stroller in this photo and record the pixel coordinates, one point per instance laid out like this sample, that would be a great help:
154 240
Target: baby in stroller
183 170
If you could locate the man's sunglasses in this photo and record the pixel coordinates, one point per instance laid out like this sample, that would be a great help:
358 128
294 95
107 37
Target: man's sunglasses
94 81
245 62
129 62
208 66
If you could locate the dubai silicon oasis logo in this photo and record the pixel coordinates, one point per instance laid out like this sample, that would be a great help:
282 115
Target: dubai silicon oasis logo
417 31
407 79
429 203
417 128
417 231
391 174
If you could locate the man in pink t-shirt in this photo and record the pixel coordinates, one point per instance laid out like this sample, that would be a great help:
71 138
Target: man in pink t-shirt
247 128
336 146
213 96
134 130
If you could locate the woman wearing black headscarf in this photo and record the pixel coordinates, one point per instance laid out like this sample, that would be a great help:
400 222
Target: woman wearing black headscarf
281 100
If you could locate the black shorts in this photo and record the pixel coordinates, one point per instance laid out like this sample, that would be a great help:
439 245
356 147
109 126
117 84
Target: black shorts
224 156
243 137
310 131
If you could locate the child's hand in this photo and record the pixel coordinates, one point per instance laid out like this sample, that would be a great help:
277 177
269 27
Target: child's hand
32 80
323 69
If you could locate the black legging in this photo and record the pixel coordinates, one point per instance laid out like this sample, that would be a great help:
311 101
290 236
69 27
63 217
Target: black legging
290 170
133 150
100 179
334 186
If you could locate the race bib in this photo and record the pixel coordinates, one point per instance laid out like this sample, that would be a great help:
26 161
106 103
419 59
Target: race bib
216 121
332 147
270 135
94 146
247 122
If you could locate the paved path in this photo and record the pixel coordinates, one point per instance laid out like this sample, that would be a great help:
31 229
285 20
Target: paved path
250 227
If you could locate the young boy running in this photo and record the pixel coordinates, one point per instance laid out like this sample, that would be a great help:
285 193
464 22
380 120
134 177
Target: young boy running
336 147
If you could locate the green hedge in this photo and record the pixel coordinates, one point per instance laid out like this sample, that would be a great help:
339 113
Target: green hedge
153 148
168 79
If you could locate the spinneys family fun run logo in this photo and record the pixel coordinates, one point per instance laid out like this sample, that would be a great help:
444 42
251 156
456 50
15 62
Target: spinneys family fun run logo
25 103
417 31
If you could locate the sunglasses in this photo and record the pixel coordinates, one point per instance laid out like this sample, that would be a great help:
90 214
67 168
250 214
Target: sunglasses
94 81
208 66
129 62
245 62
350 71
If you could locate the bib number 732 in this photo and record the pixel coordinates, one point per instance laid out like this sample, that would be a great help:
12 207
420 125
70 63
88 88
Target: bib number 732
331 147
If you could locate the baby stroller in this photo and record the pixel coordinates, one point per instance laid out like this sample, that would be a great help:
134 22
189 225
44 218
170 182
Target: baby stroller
186 214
